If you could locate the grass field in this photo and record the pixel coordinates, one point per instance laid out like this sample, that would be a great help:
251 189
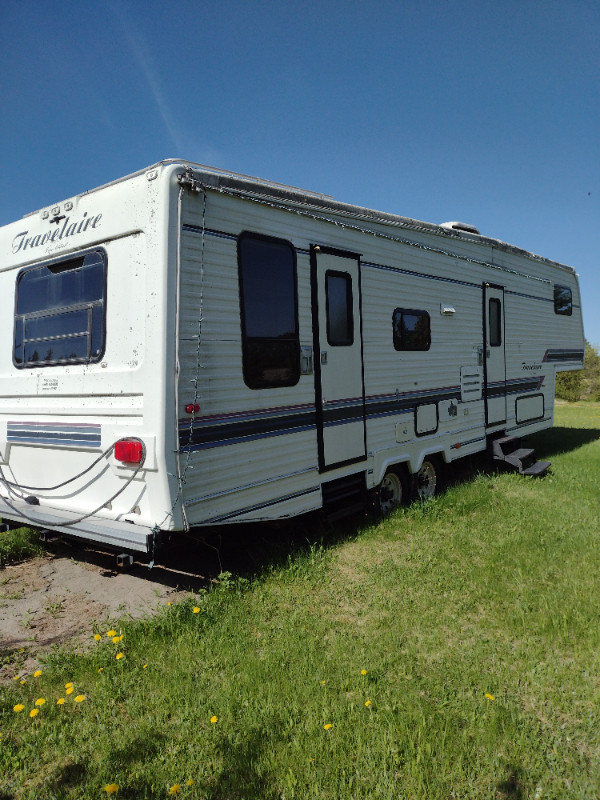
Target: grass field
449 651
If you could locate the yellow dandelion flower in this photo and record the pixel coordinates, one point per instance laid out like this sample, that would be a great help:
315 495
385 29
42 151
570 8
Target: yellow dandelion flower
214 719
195 610
119 655
111 633
18 707
21 649
70 689
323 683
22 681
175 789
490 696
97 637
37 673
367 703
40 701
116 639
61 701
363 672
169 603
100 669
111 788
189 782
145 666
17 678
80 698
68 685
34 712
328 726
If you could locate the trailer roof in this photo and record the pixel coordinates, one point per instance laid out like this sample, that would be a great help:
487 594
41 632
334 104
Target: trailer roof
238 183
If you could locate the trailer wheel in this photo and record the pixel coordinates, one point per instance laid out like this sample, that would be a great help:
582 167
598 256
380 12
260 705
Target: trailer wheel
391 492
428 478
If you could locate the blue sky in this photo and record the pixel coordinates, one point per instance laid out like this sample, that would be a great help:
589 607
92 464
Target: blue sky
486 112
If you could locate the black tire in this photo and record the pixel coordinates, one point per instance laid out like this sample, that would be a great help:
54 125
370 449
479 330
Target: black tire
428 479
392 491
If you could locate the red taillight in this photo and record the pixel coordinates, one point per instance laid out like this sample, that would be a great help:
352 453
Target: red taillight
192 408
129 451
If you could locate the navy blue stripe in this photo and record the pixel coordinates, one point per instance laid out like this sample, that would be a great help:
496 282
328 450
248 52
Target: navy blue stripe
200 435
554 356
195 437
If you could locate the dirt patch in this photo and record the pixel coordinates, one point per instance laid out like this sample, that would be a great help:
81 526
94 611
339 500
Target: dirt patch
56 599
59 597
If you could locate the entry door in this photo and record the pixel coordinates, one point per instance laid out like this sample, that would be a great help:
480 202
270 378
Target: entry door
339 381
495 360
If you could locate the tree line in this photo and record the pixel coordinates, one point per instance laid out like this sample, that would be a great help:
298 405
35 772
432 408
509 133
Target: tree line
583 384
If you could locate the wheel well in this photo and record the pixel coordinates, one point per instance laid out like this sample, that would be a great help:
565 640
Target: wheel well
436 455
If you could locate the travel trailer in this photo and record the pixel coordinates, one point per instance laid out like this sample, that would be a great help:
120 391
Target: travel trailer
188 347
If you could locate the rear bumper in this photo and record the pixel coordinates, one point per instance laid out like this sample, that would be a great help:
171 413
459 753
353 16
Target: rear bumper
110 533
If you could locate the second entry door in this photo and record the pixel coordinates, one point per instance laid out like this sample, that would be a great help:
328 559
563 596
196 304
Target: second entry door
495 361
340 400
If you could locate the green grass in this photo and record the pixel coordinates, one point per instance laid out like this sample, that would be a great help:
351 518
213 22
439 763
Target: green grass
18 544
490 589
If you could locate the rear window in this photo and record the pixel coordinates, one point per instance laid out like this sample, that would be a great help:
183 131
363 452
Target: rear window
60 312
563 300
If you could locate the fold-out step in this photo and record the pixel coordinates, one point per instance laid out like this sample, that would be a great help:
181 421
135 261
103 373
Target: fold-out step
508 450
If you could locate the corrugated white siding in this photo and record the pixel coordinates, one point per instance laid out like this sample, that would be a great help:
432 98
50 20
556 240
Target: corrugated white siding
255 471
244 478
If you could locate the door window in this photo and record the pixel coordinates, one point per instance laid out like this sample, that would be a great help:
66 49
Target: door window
495 322
340 318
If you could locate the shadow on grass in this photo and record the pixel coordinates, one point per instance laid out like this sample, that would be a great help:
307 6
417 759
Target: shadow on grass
138 751
195 559
512 788
238 779
555 441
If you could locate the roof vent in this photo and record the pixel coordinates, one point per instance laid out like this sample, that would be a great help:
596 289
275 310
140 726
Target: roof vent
460 226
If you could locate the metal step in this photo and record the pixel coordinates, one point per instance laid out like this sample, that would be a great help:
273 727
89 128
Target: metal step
536 470
504 445
508 450
521 458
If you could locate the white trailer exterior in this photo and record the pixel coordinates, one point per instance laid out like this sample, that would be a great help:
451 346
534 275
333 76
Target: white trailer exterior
255 350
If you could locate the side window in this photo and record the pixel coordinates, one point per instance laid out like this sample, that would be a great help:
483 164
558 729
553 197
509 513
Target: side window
563 300
340 318
495 322
269 311
411 329
60 312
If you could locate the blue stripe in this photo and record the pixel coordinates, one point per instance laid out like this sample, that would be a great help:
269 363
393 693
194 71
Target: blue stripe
55 435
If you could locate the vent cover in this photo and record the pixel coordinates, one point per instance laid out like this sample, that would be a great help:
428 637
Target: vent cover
460 226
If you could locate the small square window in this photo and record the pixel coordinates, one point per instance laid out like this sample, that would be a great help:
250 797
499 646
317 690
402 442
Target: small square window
411 329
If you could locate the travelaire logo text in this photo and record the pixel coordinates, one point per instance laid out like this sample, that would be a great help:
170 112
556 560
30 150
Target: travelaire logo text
23 241
531 366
